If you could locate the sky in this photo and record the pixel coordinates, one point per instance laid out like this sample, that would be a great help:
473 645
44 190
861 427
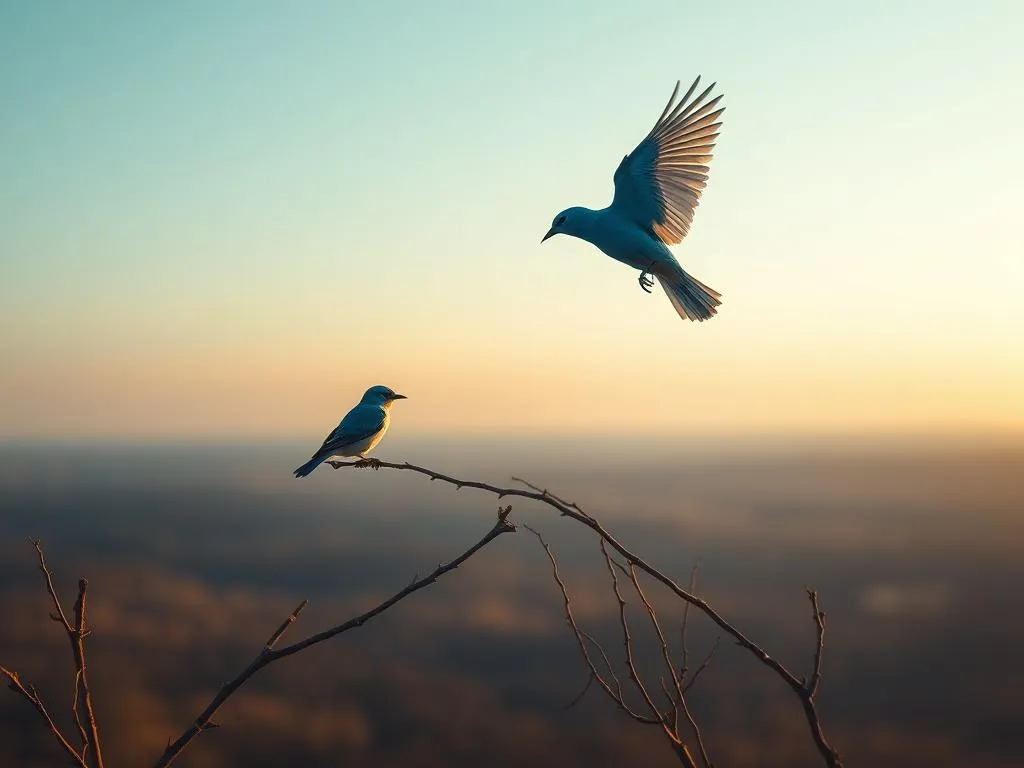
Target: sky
227 219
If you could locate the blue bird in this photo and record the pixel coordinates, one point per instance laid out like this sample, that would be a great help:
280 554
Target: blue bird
360 430
657 187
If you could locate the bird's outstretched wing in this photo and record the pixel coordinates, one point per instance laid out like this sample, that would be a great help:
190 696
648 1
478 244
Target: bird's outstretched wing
361 422
658 184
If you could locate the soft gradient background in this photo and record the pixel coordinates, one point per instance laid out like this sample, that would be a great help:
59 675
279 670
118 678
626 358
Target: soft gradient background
232 217
221 221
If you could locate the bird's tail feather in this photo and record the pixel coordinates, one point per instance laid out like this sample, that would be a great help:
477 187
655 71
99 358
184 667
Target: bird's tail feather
310 465
692 299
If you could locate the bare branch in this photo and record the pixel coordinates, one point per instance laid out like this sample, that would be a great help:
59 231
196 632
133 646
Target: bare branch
292 618
684 667
82 735
667 721
500 527
582 638
679 702
29 692
627 639
83 696
59 616
579 696
269 654
573 511
819 623
619 699
703 665
656 625
672 703
546 492
90 753
811 689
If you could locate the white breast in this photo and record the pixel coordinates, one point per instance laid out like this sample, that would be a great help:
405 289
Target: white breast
368 444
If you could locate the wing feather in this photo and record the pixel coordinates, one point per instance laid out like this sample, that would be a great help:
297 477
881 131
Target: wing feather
361 422
658 185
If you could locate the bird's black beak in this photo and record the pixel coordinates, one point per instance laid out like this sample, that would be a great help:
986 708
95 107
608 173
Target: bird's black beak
549 234
397 396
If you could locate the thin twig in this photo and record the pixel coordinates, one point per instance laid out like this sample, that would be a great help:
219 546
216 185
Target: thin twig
668 724
29 692
84 696
703 665
819 623
573 511
627 638
680 698
279 632
269 654
82 735
684 667
59 616
579 696
549 494
90 753
618 697
582 638
672 703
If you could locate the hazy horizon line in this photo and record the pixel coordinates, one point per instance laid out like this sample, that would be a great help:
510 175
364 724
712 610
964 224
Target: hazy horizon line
937 438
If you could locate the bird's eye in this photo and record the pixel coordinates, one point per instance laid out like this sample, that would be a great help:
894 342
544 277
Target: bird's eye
560 221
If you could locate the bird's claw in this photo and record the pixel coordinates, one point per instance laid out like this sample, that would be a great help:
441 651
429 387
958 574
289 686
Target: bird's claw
367 463
646 282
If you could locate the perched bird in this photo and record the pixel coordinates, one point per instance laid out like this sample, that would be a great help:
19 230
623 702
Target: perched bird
657 187
360 430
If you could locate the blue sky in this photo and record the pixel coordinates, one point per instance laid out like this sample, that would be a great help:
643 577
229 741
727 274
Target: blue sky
232 217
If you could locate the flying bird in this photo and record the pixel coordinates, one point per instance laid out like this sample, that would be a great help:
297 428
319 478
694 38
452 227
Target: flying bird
360 430
657 187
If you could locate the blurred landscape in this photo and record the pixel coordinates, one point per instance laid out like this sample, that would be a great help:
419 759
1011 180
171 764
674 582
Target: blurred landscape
194 553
